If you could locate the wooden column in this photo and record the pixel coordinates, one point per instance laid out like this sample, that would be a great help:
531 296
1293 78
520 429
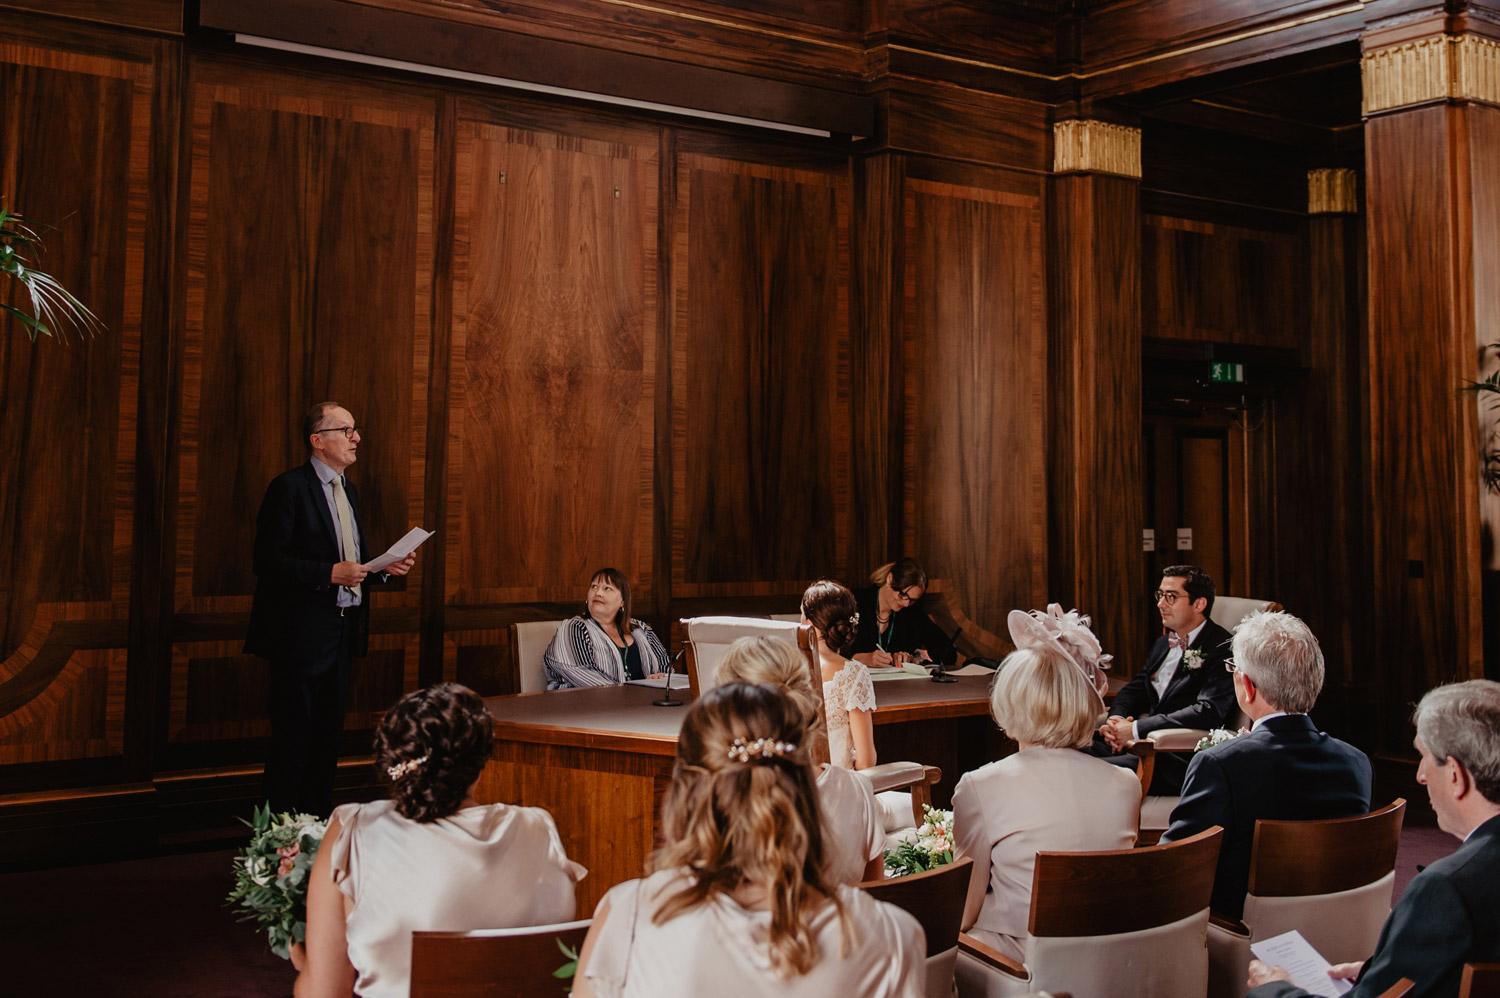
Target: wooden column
1097 506
1432 139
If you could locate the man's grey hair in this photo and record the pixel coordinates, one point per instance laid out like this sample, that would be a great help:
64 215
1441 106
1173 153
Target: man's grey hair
1279 653
1462 721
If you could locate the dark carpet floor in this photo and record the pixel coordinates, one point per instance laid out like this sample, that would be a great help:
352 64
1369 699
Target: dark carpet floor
159 928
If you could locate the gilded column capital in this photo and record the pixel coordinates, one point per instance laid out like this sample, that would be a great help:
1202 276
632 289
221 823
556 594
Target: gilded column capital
1082 145
1331 192
1454 67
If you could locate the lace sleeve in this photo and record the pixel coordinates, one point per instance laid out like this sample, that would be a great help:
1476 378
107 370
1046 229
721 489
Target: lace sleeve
854 688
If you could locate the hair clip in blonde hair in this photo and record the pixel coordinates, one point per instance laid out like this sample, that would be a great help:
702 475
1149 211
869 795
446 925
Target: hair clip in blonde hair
763 748
400 769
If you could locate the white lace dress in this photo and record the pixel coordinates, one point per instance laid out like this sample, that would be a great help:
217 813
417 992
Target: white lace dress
850 689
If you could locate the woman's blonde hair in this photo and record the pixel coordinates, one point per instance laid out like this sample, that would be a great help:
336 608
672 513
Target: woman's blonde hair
1042 698
761 659
742 809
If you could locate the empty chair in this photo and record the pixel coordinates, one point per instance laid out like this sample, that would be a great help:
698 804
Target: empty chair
706 639
531 638
1082 938
494 963
935 899
1228 611
1330 880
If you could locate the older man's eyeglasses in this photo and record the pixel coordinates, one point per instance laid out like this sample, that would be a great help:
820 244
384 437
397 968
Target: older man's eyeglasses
1230 667
348 431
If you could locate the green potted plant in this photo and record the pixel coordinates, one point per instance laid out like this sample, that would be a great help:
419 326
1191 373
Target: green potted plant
51 303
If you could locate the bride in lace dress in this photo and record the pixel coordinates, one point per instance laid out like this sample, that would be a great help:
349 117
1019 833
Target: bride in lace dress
848 693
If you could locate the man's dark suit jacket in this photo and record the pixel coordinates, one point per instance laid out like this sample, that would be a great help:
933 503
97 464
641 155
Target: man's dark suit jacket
1447 917
1196 698
296 547
1284 770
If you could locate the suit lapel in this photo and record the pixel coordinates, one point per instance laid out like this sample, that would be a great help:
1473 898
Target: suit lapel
320 503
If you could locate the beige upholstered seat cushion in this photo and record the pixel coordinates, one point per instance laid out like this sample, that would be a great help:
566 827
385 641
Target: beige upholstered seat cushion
712 636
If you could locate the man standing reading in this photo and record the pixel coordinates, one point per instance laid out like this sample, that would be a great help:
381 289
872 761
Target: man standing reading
311 614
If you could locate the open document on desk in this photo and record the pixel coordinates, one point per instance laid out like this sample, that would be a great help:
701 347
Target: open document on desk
679 682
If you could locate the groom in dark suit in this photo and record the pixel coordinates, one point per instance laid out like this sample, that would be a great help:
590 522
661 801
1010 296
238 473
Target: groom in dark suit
1285 769
1450 914
311 615
1183 685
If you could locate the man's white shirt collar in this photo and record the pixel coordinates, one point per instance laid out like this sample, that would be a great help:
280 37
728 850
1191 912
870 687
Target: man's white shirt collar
1262 720
325 474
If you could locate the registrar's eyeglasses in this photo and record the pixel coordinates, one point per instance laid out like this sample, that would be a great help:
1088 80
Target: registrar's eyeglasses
349 432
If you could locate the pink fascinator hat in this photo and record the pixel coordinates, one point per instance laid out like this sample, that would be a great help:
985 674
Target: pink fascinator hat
1067 633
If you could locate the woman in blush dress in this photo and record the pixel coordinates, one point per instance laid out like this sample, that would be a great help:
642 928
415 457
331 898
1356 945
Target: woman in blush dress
853 828
603 646
737 903
429 858
1047 796
848 693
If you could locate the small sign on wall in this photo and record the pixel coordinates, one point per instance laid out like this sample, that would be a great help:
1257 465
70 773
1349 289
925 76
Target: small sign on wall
1184 538
1148 539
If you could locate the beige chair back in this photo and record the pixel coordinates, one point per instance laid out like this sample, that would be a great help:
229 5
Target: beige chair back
1330 880
795 618
497 963
1228 611
531 638
708 638
1080 939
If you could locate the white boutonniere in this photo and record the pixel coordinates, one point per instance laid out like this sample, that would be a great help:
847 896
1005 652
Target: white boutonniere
1192 659
1218 736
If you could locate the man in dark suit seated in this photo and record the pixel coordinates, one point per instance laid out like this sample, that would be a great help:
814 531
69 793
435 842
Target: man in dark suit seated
1183 685
1285 769
1450 914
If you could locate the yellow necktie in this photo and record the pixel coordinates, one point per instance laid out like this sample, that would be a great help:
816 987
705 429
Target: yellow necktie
346 524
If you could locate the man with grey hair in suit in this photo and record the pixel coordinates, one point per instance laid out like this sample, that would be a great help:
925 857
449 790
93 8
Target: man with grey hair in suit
1450 914
1284 769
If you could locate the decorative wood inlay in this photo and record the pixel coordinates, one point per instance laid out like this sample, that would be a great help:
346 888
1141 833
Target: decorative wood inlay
1332 192
1465 67
1085 146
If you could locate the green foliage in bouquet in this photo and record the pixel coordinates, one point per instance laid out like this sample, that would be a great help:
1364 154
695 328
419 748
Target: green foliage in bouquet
930 848
270 875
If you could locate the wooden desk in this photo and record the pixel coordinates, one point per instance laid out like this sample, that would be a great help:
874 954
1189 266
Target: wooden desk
601 759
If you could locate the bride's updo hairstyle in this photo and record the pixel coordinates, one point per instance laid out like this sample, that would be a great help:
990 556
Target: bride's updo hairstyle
830 608
742 811
431 747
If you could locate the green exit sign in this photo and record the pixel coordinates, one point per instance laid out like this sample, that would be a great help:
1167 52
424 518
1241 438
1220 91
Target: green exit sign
1219 371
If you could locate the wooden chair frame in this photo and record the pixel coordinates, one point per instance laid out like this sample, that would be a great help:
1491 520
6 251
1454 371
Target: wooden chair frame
495 963
1480 980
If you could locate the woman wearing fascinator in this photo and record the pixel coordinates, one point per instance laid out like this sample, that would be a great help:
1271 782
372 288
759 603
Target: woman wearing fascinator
1047 696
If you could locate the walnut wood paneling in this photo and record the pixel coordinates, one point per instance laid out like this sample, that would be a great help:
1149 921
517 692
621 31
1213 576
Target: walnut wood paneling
760 377
1423 169
325 295
152 15
938 121
553 361
1096 505
974 353
75 144
1224 283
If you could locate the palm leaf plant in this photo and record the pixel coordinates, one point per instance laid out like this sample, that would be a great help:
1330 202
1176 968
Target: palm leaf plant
1489 389
52 305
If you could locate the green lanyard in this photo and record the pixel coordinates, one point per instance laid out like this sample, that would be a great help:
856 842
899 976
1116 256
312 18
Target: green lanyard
883 638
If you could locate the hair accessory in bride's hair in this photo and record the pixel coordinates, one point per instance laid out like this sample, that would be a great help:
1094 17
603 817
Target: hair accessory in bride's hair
854 620
762 748
400 769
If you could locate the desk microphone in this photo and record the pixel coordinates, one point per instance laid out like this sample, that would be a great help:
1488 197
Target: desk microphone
666 700
938 673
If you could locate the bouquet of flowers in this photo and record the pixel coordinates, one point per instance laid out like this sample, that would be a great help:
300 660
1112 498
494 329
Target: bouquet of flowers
930 848
1218 736
270 875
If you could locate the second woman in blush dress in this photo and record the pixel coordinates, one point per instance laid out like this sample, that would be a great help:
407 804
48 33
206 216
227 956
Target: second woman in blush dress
853 828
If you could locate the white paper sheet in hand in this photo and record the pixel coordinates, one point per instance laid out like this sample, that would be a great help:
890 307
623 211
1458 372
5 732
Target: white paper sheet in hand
405 546
1306 965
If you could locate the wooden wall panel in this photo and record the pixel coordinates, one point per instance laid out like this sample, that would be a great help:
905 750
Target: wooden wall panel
1224 283
73 160
760 377
974 350
553 361
325 295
